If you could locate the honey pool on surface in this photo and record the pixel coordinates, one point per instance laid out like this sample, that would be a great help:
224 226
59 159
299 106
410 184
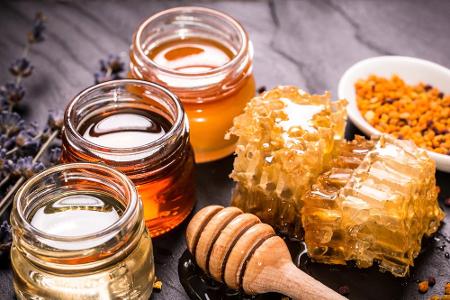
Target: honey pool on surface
167 197
209 120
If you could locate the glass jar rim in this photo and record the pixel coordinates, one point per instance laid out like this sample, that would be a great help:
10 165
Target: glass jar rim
127 215
230 64
176 126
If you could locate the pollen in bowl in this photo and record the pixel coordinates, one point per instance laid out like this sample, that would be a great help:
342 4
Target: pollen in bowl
210 113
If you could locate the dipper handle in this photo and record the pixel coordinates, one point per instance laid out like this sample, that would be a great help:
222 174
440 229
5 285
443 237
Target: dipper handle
236 248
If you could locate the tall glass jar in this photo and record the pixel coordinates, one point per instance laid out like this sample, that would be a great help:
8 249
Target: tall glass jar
78 233
139 128
205 57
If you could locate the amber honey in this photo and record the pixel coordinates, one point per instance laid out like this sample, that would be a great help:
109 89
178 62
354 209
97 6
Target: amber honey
191 54
205 58
145 136
124 128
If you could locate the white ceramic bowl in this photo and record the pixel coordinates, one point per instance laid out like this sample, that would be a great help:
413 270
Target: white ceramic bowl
411 70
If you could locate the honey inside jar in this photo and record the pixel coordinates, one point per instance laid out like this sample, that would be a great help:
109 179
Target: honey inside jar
77 214
78 224
205 58
140 130
191 55
124 128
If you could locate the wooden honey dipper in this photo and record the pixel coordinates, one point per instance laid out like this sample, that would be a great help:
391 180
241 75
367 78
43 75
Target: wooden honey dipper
236 248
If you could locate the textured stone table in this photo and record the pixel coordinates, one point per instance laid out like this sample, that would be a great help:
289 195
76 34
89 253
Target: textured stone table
305 43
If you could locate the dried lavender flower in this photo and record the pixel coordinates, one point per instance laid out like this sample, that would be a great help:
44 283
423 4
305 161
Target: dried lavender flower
4 105
113 64
7 142
21 67
3 160
26 135
36 35
27 142
26 167
110 69
12 92
17 140
54 155
5 237
10 123
55 120
46 133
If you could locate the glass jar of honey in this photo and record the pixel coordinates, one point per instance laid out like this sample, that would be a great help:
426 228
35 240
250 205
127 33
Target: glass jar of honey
139 128
205 57
78 233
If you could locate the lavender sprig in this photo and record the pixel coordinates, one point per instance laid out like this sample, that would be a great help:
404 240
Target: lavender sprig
21 67
5 237
13 92
110 69
36 35
25 167
22 145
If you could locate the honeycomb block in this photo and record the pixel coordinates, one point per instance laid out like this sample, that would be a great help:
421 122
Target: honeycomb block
321 212
286 139
377 211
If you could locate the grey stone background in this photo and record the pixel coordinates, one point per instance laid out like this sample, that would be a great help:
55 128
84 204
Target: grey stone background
305 43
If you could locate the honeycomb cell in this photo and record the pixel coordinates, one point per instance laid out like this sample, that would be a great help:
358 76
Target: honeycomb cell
285 140
363 200
376 212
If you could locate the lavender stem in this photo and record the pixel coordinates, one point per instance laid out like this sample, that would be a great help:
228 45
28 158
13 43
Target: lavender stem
5 202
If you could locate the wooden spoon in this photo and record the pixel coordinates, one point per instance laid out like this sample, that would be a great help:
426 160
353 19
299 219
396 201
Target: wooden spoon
236 248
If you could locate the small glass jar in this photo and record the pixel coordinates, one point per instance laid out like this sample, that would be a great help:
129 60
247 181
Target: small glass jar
139 128
206 58
78 233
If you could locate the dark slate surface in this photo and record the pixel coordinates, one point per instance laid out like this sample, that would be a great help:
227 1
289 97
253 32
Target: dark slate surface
306 43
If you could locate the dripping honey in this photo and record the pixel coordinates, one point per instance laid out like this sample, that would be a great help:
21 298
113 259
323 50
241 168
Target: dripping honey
211 72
